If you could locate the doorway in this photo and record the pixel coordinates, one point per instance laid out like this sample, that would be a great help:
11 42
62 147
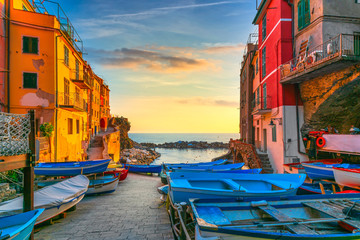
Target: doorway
265 140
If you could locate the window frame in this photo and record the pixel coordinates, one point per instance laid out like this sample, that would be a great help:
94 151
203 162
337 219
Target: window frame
30 37
77 126
37 80
263 28
70 126
66 56
263 63
304 16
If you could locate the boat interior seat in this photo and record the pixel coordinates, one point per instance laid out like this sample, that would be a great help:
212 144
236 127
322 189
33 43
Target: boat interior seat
234 185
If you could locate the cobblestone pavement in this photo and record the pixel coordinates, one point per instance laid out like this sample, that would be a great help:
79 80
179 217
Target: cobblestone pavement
131 212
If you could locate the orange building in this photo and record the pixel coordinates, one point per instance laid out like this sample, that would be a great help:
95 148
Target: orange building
104 106
52 78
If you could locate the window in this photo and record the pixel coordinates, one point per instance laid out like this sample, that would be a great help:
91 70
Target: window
257 66
258 96
30 80
30 45
77 126
70 126
264 96
303 13
66 56
263 30
263 67
66 92
77 69
274 133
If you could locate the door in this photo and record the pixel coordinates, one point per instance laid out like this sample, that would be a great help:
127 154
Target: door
357 44
265 140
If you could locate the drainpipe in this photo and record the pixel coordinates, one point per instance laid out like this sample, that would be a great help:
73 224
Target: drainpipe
7 34
56 95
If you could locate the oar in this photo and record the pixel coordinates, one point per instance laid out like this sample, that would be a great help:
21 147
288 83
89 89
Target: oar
283 223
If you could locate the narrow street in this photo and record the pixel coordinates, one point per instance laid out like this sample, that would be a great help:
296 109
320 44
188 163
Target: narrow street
131 212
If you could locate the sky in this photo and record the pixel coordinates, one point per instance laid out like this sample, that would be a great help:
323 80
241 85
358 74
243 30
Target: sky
172 65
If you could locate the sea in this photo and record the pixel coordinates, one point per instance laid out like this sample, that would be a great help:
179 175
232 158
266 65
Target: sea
184 155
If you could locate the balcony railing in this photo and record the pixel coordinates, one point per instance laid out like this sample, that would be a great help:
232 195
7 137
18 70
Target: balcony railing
340 48
72 102
82 79
261 105
54 8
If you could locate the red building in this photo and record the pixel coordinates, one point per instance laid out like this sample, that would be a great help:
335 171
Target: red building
276 115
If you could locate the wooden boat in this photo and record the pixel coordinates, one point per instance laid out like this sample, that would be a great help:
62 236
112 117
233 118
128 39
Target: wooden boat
185 185
71 168
314 188
144 168
347 175
319 170
298 217
163 175
227 167
19 226
55 199
298 168
217 162
101 185
123 172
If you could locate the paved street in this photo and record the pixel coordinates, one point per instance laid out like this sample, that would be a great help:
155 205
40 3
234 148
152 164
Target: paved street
131 212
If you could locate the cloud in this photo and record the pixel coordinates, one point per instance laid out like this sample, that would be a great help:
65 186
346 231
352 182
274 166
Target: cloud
224 49
207 102
156 61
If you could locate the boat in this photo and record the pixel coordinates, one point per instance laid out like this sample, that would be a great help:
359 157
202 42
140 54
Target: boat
123 172
184 185
163 175
217 162
144 168
319 170
19 226
101 185
298 168
71 168
55 199
297 217
203 168
347 175
314 188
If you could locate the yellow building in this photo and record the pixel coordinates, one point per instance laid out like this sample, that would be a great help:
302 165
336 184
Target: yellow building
95 104
104 106
47 73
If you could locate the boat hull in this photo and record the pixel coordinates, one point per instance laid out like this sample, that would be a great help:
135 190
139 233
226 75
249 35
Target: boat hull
144 168
71 168
318 172
346 178
298 168
54 211
19 226
101 188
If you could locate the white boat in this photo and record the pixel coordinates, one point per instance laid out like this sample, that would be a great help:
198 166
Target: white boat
102 185
347 175
55 199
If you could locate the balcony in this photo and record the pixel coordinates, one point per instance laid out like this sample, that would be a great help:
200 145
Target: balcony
81 80
261 106
72 102
333 55
53 8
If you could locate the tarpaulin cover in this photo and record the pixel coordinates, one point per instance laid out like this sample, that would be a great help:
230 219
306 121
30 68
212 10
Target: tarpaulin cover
51 196
343 143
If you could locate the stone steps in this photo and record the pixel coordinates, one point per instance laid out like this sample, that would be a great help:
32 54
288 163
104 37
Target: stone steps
265 163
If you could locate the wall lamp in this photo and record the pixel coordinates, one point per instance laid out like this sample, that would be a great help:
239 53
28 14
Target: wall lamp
275 119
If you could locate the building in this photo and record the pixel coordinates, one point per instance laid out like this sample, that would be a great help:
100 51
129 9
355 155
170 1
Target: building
104 106
3 62
53 78
276 106
326 62
246 90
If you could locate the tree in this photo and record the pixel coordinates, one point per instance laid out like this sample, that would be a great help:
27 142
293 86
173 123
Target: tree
46 130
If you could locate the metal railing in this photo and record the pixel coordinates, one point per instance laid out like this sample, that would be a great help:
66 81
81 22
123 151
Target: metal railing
73 100
261 104
80 76
343 45
54 8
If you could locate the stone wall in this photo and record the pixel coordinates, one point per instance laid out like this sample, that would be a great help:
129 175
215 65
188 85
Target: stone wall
332 99
6 193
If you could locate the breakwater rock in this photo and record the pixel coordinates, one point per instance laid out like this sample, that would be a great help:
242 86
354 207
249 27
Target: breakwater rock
138 156
186 144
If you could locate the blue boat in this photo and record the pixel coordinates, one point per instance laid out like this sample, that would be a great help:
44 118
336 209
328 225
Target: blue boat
144 168
217 162
314 188
163 175
319 170
184 185
297 217
71 168
19 226
227 167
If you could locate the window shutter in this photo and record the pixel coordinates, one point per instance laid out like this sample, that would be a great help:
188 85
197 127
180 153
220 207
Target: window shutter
264 96
34 45
300 16
274 133
264 62
263 33
306 12
26 44
29 80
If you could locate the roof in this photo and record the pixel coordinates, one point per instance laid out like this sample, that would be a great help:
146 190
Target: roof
263 5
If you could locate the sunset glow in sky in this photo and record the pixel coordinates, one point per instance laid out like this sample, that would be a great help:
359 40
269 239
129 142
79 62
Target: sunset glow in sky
172 65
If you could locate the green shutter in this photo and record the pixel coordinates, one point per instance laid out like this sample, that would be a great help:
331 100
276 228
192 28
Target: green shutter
306 12
263 33
264 96
274 133
26 45
300 15
30 80
34 45
264 62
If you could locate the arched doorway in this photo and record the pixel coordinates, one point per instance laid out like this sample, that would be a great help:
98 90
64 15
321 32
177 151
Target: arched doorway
103 124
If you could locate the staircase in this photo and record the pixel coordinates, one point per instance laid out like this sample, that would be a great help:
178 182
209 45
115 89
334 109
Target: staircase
95 150
265 163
